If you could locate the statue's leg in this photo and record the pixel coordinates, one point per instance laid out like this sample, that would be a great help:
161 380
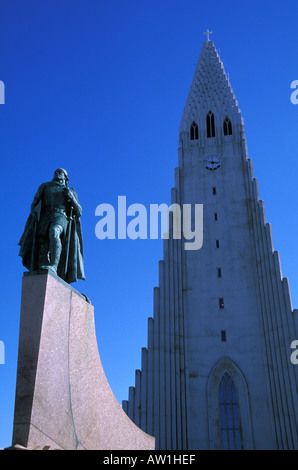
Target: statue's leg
55 246
43 252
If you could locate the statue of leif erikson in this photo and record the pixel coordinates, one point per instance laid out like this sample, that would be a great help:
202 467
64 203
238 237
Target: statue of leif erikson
52 237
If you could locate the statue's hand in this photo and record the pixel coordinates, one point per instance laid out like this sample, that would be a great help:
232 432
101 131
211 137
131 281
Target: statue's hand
69 195
72 199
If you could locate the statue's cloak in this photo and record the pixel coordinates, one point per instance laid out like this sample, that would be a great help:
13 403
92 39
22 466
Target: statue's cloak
71 265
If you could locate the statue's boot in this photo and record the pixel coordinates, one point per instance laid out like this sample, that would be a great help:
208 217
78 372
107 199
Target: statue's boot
43 256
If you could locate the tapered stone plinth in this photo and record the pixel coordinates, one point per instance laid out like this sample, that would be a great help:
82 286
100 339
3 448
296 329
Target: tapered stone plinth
63 399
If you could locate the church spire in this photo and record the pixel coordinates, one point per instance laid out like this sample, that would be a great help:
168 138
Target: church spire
210 90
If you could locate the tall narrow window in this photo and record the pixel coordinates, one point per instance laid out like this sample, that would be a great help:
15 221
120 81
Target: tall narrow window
221 302
217 243
214 190
229 414
210 124
223 334
218 272
227 126
194 131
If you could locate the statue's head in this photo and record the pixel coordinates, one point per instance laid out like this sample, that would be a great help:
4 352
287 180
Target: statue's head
61 174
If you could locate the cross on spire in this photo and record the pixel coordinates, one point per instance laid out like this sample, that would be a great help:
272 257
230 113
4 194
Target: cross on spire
208 33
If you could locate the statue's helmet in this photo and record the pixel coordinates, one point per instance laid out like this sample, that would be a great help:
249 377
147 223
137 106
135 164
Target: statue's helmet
64 171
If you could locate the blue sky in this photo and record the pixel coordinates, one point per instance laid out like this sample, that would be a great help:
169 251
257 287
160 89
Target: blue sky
99 88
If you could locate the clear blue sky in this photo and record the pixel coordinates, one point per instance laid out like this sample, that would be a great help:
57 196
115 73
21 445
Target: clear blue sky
99 88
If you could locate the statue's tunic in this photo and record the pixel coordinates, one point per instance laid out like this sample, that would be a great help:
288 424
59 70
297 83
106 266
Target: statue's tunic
54 207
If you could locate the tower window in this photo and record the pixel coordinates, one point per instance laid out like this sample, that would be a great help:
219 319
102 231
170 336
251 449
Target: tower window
210 124
223 335
229 414
217 243
194 131
214 190
215 216
227 126
218 272
221 302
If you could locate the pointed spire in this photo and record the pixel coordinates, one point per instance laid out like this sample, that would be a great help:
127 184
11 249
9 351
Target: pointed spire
210 89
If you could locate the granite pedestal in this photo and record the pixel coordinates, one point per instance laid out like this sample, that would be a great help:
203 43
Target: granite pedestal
63 399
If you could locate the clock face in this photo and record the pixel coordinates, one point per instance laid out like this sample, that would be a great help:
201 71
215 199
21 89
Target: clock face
212 162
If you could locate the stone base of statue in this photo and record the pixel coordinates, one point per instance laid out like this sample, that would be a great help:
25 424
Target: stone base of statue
63 399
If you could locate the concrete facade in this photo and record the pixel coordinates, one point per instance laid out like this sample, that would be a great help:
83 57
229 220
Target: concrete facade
63 399
222 312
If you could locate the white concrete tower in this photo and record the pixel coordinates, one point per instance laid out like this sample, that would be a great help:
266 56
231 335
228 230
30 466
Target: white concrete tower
216 373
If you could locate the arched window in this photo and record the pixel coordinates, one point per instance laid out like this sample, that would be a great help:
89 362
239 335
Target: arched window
194 131
228 407
210 124
229 414
227 126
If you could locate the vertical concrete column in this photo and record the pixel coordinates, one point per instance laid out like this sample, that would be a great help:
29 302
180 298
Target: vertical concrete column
162 346
150 377
252 192
143 390
137 404
156 363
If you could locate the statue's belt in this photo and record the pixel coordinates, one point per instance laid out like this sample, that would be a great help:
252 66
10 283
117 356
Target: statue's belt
54 210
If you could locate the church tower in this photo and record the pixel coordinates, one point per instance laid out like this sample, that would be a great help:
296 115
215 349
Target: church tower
216 373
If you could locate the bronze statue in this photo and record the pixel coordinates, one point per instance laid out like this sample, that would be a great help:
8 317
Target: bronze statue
52 237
